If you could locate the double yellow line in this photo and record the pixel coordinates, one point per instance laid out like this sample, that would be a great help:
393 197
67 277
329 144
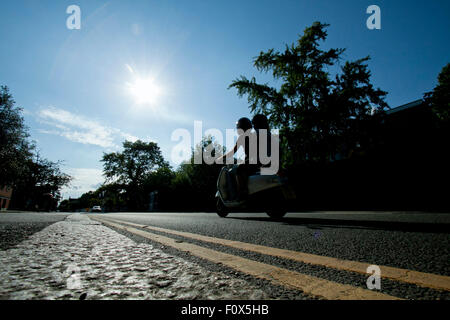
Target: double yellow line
308 284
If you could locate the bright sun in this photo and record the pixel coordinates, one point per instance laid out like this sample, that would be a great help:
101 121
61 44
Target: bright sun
145 91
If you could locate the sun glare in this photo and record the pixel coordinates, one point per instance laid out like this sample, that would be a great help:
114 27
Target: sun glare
145 91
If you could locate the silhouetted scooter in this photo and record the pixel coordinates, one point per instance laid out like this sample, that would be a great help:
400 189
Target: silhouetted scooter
267 193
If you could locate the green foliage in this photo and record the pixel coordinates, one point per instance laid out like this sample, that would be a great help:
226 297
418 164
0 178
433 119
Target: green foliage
90 199
159 179
41 180
64 206
439 98
35 181
196 183
132 168
15 148
318 116
112 196
134 164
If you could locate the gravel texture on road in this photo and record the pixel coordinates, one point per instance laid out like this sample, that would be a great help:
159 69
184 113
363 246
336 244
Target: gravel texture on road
414 241
273 291
18 226
81 259
390 287
389 242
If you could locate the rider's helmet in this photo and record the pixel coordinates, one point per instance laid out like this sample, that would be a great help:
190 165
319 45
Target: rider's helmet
244 124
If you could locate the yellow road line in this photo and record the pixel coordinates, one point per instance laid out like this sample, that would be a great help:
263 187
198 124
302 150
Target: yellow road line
422 279
309 285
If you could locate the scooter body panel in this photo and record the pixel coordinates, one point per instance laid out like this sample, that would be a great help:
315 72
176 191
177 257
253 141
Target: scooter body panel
258 183
258 187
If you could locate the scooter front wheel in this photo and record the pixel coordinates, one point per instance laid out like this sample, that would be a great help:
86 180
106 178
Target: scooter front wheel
276 213
221 209
276 209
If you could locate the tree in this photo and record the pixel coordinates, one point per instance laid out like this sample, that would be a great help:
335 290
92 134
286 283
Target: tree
318 117
159 183
439 98
35 181
112 197
132 168
15 149
159 179
197 183
40 184
64 206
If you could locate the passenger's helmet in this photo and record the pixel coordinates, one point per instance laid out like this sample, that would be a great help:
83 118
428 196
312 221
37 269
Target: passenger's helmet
244 124
260 122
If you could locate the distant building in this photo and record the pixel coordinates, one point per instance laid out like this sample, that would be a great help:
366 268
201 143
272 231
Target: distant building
5 197
410 132
409 107
411 117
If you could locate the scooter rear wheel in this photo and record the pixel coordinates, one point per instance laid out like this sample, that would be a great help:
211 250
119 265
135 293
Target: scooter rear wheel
221 209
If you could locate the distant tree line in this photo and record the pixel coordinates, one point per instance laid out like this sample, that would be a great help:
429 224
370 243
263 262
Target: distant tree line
36 182
131 176
339 147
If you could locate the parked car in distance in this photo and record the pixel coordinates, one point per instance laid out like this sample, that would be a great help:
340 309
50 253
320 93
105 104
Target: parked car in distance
96 209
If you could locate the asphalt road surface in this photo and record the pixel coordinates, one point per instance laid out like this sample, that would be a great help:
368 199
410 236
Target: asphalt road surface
311 255
18 226
318 245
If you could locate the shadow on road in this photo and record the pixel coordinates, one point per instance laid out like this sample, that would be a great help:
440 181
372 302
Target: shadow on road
319 223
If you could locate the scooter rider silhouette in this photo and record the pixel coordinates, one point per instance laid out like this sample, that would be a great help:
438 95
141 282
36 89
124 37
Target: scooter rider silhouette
248 141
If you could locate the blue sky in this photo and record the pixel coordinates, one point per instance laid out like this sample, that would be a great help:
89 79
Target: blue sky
74 85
